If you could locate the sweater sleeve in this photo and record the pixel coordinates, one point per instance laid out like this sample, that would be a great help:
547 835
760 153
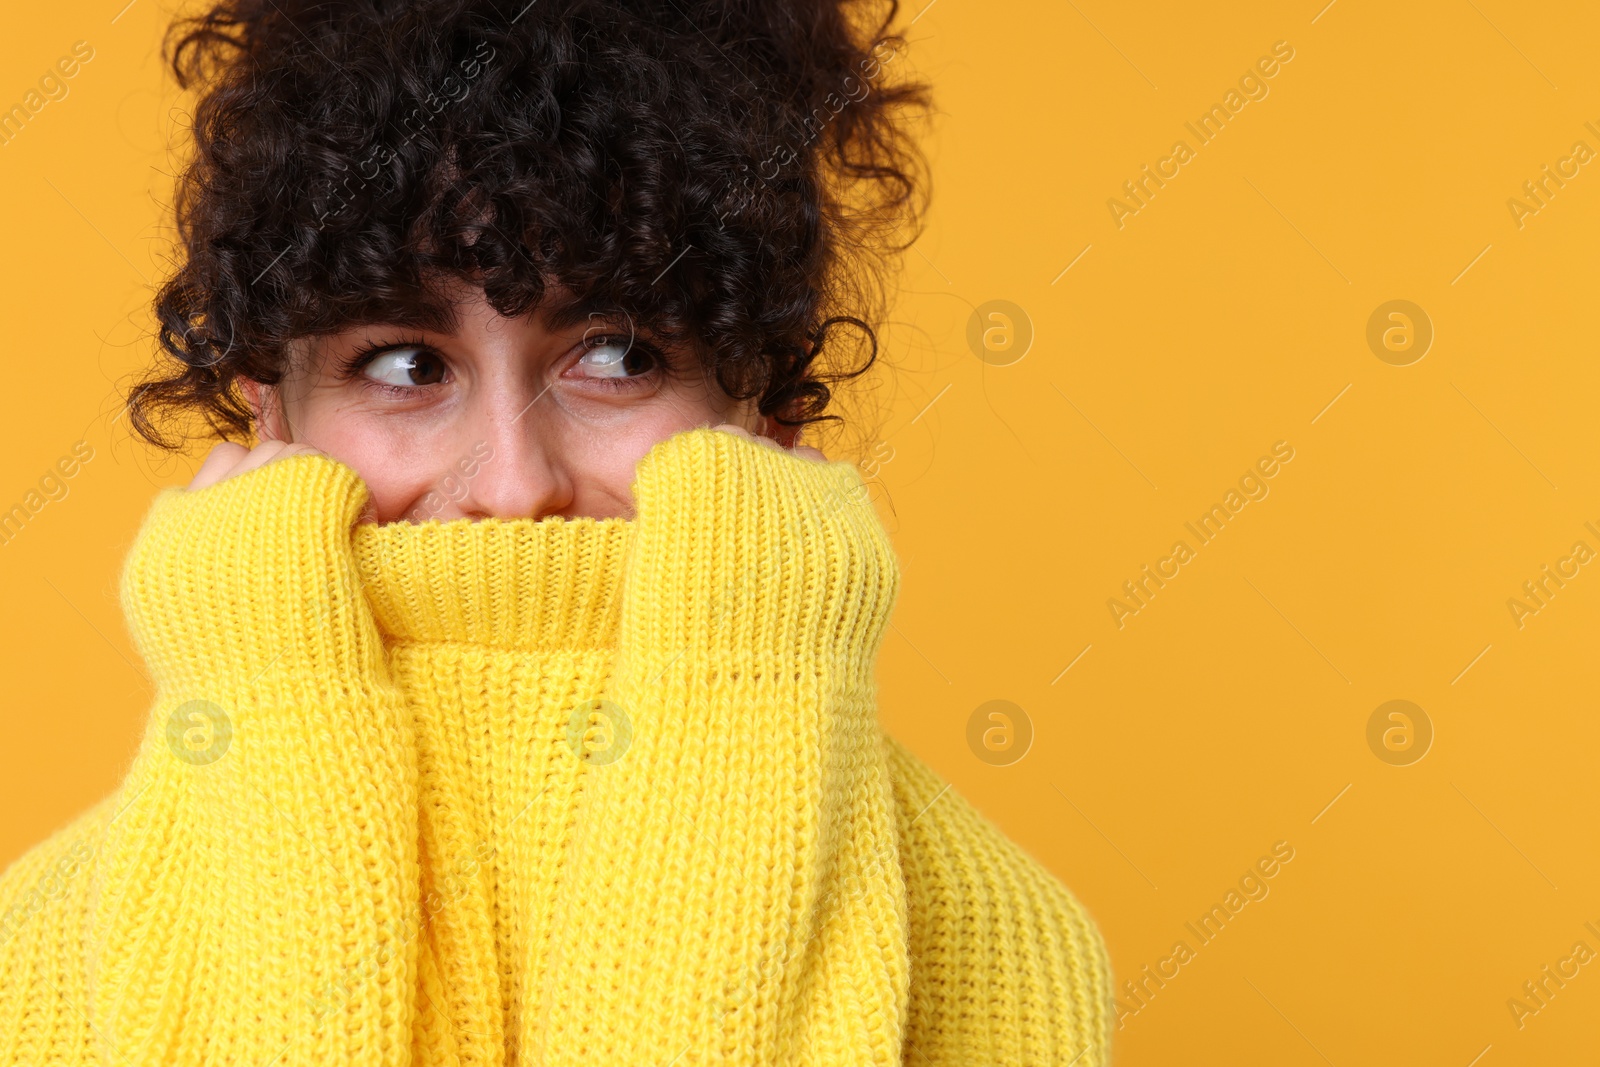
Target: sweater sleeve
733 895
1007 966
254 895
44 897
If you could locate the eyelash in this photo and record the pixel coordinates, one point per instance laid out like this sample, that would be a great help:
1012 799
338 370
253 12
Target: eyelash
619 383
351 365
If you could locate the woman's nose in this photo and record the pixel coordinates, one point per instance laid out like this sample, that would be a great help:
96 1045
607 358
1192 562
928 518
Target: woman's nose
520 474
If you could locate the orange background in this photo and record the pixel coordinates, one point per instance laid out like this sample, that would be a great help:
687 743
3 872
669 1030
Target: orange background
1023 488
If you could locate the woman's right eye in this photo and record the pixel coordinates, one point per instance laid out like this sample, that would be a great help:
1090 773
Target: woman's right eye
405 367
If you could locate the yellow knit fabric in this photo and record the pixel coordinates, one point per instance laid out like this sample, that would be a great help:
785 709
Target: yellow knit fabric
519 792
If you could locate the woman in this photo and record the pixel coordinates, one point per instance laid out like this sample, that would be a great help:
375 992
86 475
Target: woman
514 694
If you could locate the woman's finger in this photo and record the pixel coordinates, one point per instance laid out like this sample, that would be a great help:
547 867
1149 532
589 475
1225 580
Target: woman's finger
228 460
222 459
803 451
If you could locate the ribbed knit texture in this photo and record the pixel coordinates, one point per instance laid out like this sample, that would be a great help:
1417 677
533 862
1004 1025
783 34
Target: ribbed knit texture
553 792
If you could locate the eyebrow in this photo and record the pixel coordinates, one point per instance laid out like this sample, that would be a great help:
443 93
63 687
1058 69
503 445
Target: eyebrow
416 316
573 312
444 318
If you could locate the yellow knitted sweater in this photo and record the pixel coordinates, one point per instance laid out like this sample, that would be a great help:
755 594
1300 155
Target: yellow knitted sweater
508 792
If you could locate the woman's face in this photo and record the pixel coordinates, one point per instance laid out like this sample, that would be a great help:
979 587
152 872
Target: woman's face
501 418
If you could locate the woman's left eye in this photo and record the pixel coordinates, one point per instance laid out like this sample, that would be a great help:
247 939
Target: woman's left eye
617 359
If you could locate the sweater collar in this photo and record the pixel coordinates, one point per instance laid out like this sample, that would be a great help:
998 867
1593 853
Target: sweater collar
506 583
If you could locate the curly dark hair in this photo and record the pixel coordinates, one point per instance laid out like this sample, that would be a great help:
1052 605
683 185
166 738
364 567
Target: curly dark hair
731 174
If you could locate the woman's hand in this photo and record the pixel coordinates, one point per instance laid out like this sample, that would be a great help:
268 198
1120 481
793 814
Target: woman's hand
761 918
799 449
228 459
265 849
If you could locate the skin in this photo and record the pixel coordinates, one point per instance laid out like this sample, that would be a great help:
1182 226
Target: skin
501 418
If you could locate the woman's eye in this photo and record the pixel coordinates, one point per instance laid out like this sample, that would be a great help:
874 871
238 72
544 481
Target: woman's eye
608 357
403 367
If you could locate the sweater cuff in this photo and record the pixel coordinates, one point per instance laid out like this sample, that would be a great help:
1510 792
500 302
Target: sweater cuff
748 554
251 582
